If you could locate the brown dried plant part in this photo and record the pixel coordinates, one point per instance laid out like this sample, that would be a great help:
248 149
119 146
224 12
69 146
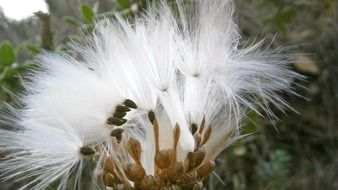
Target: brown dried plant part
117 134
117 118
205 169
130 104
87 151
109 165
195 158
134 171
108 179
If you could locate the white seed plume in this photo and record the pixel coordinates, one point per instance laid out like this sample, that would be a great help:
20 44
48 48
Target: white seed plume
186 72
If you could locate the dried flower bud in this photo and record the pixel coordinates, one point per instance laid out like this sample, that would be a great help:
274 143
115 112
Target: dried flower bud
164 158
109 165
175 171
134 172
205 169
147 183
187 178
108 179
129 103
196 158
134 149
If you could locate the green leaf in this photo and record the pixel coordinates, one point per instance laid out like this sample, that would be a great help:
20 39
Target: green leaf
6 73
87 13
71 21
7 54
124 3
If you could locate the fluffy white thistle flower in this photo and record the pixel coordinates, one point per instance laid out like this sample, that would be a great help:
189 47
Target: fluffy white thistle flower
150 103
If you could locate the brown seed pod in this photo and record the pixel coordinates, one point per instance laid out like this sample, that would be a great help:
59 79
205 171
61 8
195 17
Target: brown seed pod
121 108
117 133
147 183
134 149
119 114
186 179
116 121
196 158
134 172
175 171
198 186
129 103
109 165
87 151
164 158
205 169
108 179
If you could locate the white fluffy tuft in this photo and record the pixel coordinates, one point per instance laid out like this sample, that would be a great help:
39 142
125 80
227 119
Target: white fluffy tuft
185 68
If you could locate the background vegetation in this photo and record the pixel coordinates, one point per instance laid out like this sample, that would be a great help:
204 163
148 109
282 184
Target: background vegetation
299 153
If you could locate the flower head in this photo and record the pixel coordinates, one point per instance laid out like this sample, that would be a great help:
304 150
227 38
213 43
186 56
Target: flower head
150 103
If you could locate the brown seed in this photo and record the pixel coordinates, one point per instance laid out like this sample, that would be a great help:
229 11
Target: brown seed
87 151
121 108
196 158
116 121
164 158
198 186
129 103
119 114
134 149
205 169
109 165
108 179
151 116
117 133
134 172
193 128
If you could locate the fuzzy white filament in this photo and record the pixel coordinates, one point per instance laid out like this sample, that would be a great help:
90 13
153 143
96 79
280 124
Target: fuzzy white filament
185 71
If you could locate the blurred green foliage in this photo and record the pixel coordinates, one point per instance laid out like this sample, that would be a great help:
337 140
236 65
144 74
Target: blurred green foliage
299 153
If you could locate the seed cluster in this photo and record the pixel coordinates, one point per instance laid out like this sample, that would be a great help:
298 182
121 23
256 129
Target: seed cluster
169 172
